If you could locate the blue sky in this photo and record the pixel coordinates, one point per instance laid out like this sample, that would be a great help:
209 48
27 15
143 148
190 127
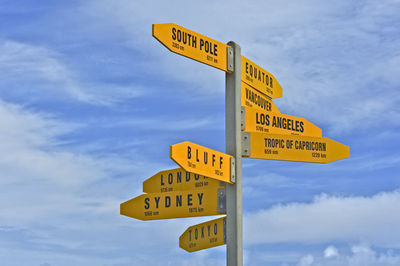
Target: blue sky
90 103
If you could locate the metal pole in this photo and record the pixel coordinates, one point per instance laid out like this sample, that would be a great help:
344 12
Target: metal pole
234 226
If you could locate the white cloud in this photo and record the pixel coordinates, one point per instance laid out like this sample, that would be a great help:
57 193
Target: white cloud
306 260
42 73
331 252
320 60
329 218
42 180
360 255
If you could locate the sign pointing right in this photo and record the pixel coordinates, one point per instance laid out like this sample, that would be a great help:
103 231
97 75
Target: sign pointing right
205 235
260 79
292 148
204 161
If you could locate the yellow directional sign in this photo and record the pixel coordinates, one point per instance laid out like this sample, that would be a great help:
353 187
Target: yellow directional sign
192 44
257 100
203 161
261 121
292 148
178 179
260 79
179 204
205 235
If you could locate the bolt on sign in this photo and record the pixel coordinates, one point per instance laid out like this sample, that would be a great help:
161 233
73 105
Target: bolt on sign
192 45
260 79
177 180
261 121
177 204
292 148
203 161
205 235
254 99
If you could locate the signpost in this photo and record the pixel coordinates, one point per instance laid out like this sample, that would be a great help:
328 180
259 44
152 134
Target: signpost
192 44
293 148
178 180
256 100
203 161
205 235
261 121
179 204
260 79
210 182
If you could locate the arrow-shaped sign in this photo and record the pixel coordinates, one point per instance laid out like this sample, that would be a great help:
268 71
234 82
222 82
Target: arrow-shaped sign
261 121
203 161
177 180
260 79
179 204
292 148
254 99
205 235
192 44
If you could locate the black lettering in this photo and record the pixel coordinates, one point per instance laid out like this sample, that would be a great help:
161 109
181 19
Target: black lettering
201 44
170 178
178 177
167 201
194 42
189 200
200 195
173 34
157 199
179 35
178 200
146 203
189 154
187 176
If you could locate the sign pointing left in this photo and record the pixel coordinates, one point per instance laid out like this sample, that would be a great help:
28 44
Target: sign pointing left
178 180
192 44
179 204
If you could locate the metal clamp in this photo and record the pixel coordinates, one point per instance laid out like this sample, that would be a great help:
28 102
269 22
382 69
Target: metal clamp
243 118
224 230
246 144
229 55
233 170
222 200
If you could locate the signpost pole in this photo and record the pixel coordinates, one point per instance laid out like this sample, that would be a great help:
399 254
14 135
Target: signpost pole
234 226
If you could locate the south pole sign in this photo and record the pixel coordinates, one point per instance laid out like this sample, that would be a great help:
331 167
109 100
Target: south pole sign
192 45
209 182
